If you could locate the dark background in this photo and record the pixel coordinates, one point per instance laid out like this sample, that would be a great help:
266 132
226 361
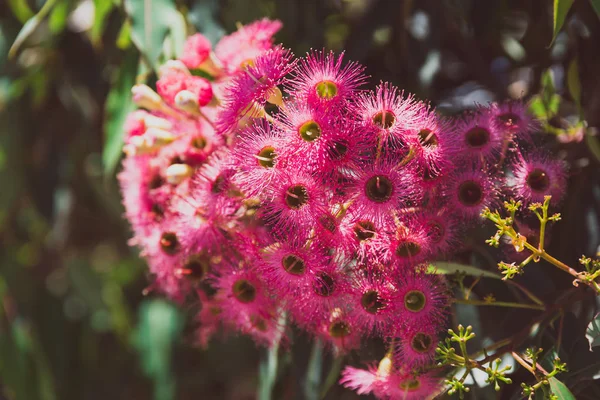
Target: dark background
74 323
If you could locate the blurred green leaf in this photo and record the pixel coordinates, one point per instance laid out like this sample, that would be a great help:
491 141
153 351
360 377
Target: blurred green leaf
151 21
102 9
596 6
447 268
21 10
118 105
537 107
546 104
158 330
592 333
178 34
23 364
204 16
593 144
561 9
124 37
30 26
560 389
574 84
58 17
267 372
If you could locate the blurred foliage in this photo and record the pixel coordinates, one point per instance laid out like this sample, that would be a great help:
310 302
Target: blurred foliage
74 323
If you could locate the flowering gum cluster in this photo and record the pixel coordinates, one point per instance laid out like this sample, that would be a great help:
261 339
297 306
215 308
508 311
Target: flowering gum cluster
274 189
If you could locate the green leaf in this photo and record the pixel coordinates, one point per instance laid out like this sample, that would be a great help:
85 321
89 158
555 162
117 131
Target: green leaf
30 26
178 34
560 389
561 9
204 16
537 107
21 10
592 333
593 143
102 9
447 268
124 36
118 105
574 84
58 17
151 21
596 6
158 330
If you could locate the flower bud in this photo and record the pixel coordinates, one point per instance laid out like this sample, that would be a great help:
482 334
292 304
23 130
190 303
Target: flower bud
160 137
145 97
177 173
173 66
187 101
139 145
385 366
152 121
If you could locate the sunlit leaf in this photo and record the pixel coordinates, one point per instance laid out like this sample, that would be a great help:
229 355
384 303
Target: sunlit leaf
561 9
537 107
118 105
151 21
592 333
560 389
448 268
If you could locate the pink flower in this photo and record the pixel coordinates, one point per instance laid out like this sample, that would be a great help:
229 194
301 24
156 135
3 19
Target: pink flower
480 136
256 157
322 79
537 175
240 48
390 385
513 119
381 189
253 87
363 381
372 299
411 244
173 82
417 345
196 51
387 113
293 204
422 299
470 190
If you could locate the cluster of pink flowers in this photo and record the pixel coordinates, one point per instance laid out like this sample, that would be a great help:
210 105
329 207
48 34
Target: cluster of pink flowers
276 190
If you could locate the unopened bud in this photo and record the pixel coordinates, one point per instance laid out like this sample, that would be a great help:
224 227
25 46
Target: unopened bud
139 145
519 242
188 102
385 366
160 137
177 173
173 66
152 121
211 65
145 97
